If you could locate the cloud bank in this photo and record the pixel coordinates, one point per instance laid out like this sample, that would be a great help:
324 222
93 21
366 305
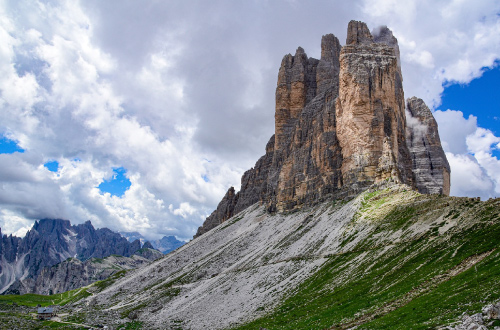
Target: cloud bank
181 96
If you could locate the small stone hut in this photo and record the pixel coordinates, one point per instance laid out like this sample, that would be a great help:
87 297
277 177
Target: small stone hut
45 313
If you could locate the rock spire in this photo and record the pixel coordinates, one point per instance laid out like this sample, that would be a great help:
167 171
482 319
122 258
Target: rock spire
371 111
431 168
341 126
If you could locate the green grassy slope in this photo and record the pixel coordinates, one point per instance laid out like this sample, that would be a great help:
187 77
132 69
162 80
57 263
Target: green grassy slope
61 299
424 262
32 300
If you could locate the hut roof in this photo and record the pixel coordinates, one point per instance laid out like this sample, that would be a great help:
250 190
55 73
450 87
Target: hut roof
45 310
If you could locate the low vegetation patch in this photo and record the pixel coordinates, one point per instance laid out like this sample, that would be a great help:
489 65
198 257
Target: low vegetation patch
34 300
130 326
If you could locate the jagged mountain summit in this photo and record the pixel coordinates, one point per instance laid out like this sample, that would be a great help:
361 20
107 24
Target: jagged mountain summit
51 241
341 125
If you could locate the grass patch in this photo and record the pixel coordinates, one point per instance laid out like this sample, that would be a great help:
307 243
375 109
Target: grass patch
130 326
33 300
101 285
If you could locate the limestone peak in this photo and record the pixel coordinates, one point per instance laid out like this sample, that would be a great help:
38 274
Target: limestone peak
330 48
340 127
358 34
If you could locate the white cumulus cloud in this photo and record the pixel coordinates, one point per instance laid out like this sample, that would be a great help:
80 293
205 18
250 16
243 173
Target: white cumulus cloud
475 171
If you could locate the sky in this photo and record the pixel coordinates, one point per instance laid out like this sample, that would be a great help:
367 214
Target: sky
139 115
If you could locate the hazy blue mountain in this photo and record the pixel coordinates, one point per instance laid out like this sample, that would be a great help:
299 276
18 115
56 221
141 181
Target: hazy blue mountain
165 245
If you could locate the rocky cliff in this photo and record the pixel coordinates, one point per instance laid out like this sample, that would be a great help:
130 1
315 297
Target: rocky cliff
340 126
371 111
74 273
431 168
52 241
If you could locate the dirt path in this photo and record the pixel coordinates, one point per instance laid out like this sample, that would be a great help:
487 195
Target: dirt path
58 320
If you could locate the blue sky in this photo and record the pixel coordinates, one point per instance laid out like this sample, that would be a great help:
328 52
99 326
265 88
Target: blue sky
52 165
8 146
117 184
480 98
140 117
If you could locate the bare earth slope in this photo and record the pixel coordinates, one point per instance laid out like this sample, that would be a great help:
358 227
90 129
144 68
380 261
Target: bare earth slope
389 252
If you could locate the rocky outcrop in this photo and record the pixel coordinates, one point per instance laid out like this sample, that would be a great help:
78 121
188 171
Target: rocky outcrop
302 160
148 252
431 168
224 211
340 126
306 163
382 35
255 181
358 34
148 245
487 319
52 241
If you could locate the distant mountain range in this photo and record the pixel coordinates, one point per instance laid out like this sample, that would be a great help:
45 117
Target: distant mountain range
52 241
73 273
165 245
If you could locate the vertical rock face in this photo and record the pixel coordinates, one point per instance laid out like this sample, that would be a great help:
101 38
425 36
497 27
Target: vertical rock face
358 34
306 161
340 126
430 165
370 112
296 88
382 35
254 183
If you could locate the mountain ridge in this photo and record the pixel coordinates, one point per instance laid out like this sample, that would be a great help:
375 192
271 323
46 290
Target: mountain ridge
73 273
165 244
51 241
